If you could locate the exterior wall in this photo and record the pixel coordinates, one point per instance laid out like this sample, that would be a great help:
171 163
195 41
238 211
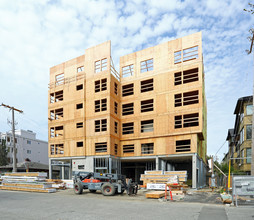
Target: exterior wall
164 134
27 146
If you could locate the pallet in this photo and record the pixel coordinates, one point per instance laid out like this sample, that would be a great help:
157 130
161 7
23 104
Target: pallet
27 189
155 194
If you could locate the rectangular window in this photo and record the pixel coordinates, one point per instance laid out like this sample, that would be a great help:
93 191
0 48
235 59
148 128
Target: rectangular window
128 109
100 125
190 53
59 149
178 78
100 85
189 98
248 155
56 131
248 132
128 148
147 126
190 75
56 96
146 66
100 105
100 65
147 148
116 149
127 71
146 85
56 114
128 128
128 90
79 125
177 57
28 142
183 146
101 147
186 76
80 69
116 88
79 106
116 127
116 107
59 79
52 149
80 144
190 120
178 121
147 105
249 109
178 100
79 87
28 152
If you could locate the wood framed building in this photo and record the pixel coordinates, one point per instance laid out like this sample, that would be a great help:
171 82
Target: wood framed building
151 116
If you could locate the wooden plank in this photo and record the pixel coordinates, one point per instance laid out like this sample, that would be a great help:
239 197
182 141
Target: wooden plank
29 185
175 172
27 189
154 172
32 174
155 194
160 175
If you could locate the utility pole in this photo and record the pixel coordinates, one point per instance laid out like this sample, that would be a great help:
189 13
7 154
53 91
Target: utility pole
13 135
252 144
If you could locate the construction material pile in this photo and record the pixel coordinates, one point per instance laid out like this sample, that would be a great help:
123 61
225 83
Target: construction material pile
30 182
162 176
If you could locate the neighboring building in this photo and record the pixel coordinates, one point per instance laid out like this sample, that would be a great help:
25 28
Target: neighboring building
240 138
27 146
151 116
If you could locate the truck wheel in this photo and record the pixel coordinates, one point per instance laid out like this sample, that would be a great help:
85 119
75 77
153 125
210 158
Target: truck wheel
78 188
108 189
92 190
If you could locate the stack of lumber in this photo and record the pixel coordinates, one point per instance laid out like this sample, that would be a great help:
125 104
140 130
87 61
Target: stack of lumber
177 189
155 194
29 182
162 176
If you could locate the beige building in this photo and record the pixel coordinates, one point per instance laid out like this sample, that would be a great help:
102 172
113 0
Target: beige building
240 138
151 116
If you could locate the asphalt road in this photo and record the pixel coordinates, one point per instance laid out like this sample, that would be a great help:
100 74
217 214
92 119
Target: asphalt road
65 205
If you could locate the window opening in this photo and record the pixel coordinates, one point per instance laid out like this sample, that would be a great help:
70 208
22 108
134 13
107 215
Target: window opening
80 144
147 148
128 128
146 66
80 69
79 106
183 146
128 109
190 53
79 125
116 88
116 127
100 125
190 75
128 148
127 71
100 85
128 90
146 85
147 105
101 147
147 126
190 120
116 149
116 107
79 87
59 79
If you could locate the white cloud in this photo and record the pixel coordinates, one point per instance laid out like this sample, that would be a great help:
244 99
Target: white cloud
36 35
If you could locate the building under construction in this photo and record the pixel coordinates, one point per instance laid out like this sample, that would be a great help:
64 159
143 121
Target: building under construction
150 116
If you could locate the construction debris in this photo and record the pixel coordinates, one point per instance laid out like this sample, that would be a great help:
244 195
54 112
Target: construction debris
30 182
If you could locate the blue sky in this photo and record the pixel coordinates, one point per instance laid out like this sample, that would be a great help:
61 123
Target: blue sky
36 35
